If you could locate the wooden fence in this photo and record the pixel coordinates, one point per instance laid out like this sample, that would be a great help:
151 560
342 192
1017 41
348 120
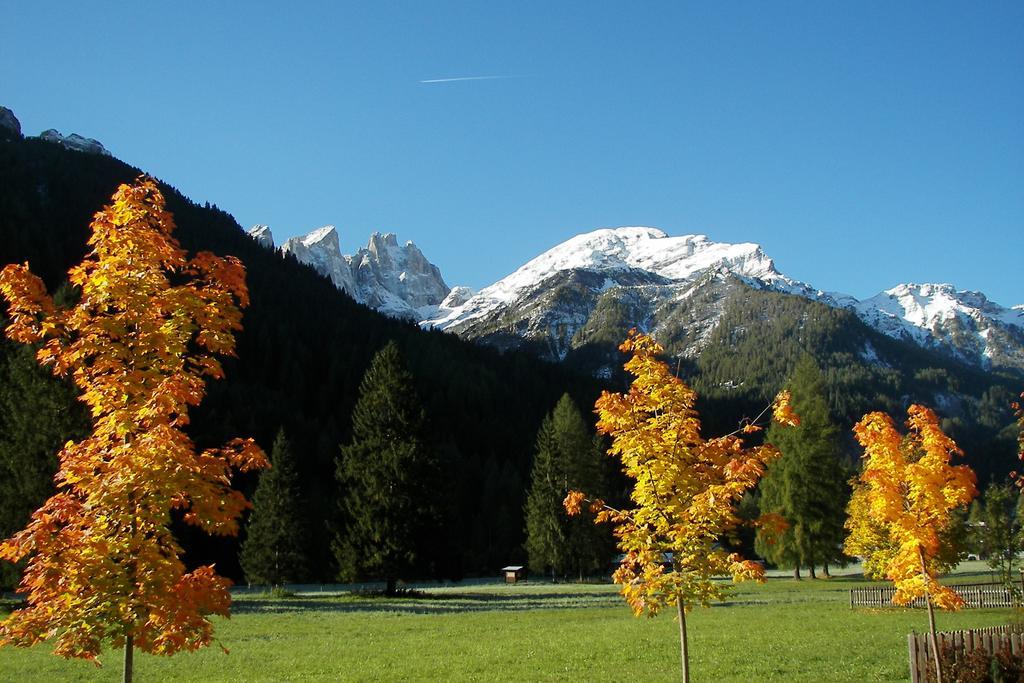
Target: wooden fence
976 595
991 640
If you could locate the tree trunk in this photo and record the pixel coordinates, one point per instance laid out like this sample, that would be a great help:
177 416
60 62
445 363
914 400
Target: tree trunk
392 587
796 572
931 620
824 569
683 652
813 575
129 660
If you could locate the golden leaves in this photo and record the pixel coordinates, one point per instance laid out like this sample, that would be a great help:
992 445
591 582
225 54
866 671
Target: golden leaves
102 562
902 500
782 410
685 487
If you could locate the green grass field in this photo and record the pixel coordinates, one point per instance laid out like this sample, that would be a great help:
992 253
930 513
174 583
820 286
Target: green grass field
783 630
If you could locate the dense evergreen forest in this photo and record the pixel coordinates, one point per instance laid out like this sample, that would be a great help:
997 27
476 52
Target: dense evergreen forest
306 347
301 357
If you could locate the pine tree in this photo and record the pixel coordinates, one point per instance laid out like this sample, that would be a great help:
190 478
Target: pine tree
389 476
807 486
568 456
545 517
996 528
38 415
272 553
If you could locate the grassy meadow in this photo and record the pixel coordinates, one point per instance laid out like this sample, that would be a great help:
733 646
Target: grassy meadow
783 630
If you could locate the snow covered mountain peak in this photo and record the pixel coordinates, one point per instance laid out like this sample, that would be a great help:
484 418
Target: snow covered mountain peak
924 305
325 238
394 279
939 316
622 255
648 249
263 235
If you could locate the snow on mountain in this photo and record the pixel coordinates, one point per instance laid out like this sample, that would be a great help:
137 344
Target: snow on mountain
321 250
564 297
74 142
395 279
623 254
938 316
263 235
582 291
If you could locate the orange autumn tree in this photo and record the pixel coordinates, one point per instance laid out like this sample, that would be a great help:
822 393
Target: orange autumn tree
145 332
685 490
901 506
1018 413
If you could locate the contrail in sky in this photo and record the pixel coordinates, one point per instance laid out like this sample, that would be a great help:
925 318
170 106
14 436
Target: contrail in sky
466 78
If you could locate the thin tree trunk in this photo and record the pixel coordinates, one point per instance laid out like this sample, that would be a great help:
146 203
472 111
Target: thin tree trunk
931 619
813 575
796 572
683 652
392 586
129 659
824 569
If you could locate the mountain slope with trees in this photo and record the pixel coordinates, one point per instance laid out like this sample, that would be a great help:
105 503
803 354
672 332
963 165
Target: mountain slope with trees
301 355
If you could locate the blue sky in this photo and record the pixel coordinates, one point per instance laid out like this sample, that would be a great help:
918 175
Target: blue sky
862 144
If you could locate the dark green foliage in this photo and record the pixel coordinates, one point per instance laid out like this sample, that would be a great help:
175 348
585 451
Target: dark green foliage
568 456
763 334
301 355
390 478
995 529
807 485
273 552
38 414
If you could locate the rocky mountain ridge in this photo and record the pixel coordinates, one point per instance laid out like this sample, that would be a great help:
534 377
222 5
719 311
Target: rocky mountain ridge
661 283
582 291
395 279
10 125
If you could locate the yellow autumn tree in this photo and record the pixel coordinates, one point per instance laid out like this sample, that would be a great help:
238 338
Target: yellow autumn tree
685 490
902 503
1019 411
148 326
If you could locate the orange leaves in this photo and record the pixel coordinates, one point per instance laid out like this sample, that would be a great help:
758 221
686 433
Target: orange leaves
30 304
573 502
782 410
685 487
1019 414
903 500
102 562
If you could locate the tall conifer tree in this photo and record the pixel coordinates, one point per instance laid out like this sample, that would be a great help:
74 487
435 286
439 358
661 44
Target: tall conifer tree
807 485
38 415
568 456
389 476
273 552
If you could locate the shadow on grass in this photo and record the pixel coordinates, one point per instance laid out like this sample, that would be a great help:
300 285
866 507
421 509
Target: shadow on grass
427 603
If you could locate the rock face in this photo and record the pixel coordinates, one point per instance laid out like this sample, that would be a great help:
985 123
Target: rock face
74 142
9 122
262 234
395 279
321 250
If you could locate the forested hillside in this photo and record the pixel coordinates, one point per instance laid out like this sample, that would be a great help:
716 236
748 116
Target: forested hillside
762 335
305 348
301 357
